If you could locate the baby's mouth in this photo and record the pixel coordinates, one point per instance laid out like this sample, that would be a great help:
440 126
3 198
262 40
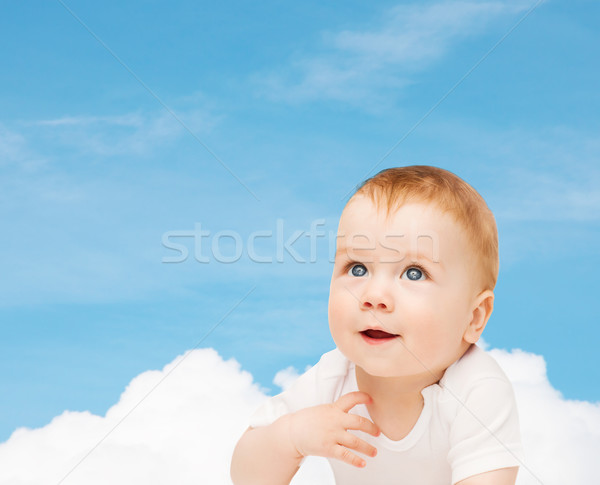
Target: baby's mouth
378 334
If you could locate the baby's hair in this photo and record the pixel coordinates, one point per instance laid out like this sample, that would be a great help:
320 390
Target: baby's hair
395 187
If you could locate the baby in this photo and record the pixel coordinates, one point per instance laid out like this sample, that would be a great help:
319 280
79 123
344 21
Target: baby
406 397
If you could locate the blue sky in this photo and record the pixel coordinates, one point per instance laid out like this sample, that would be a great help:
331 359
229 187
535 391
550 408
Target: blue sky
263 117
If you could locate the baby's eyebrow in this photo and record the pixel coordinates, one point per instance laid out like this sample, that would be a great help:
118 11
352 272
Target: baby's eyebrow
416 257
340 251
410 256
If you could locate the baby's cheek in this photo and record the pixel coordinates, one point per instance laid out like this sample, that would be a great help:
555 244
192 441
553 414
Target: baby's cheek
336 316
334 311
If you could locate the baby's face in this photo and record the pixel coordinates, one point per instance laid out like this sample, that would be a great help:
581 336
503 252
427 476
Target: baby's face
402 289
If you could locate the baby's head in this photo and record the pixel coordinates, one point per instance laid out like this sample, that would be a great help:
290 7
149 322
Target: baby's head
394 187
416 264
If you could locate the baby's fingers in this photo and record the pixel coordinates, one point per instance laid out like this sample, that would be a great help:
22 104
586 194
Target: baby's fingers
353 442
354 421
348 401
344 454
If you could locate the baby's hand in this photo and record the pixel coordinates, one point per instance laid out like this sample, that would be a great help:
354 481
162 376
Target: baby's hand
323 430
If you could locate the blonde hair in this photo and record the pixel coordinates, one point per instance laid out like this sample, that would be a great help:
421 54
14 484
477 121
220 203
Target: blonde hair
395 187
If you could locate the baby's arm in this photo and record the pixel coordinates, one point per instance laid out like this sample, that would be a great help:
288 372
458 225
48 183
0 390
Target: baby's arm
264 455
270 455
503 476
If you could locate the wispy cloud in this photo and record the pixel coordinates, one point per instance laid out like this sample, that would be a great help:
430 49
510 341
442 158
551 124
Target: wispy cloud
537 196
11 144
99 225
361 66
543 173
122 134
29 145
185 430
16 151
134 120
527 172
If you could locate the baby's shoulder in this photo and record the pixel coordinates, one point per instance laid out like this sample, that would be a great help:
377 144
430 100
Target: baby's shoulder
334 360
332 365
475 367
325 380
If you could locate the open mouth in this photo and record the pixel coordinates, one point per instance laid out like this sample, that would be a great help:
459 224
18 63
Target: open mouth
374 335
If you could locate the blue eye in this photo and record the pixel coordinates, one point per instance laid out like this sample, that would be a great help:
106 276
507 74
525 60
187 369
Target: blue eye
414 274
358 270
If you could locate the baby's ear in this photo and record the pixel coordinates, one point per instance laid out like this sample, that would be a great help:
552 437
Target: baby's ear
483 306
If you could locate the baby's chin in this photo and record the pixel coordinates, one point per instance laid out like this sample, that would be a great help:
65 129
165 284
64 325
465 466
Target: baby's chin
383 369
415 375
385 372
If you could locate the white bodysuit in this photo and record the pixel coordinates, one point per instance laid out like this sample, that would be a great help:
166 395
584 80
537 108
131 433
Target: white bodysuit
468 425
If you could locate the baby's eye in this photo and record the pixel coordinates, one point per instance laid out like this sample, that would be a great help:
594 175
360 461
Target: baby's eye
358 270
414 274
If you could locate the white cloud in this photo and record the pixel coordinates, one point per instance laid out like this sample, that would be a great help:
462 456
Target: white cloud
357 65
561 437
184 431
286 377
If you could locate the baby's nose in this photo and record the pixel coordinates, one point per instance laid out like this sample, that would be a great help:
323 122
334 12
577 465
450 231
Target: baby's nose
380 306
377 297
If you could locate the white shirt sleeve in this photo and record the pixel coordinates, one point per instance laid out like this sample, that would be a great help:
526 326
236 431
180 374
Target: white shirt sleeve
320 384
484 435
